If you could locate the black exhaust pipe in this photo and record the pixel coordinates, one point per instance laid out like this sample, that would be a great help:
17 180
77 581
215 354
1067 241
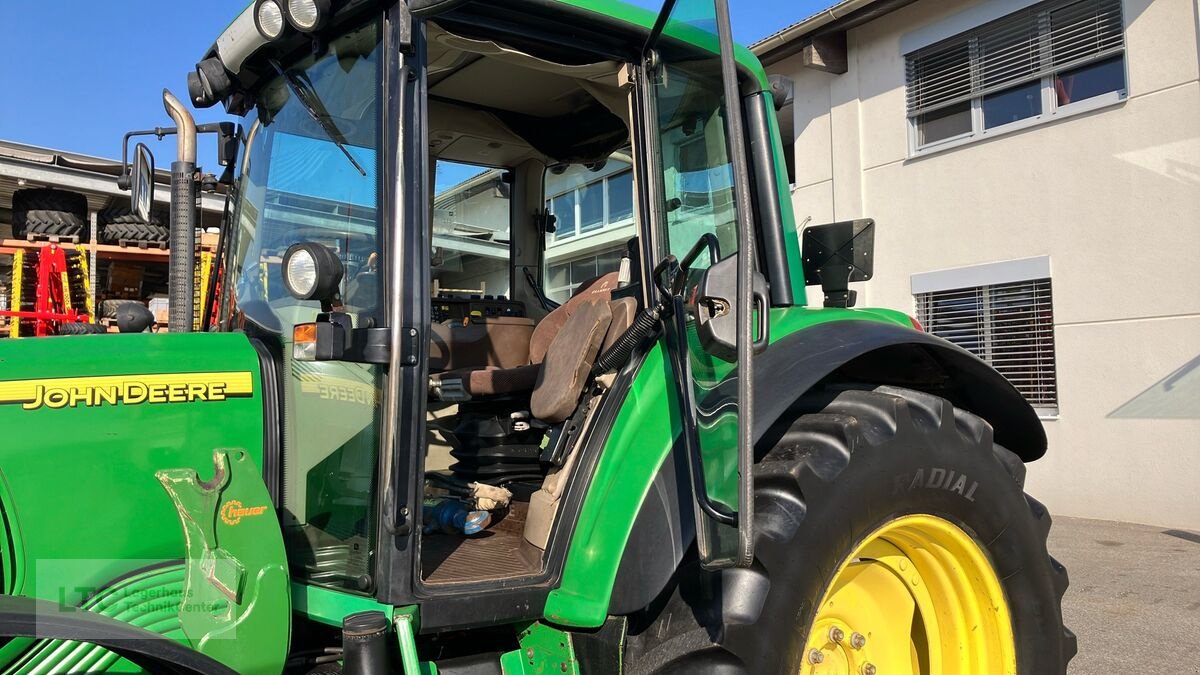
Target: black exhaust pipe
365 644
181 313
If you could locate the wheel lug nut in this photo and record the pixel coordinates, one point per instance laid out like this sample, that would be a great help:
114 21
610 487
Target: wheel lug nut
815 656
868 669
858 640
836 635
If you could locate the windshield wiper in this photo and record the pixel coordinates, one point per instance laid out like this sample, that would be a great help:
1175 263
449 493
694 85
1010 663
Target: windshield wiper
316 110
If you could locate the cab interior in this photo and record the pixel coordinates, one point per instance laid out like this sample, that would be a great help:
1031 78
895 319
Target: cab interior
534 276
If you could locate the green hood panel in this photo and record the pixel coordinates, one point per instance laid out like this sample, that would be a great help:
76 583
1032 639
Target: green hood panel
87 421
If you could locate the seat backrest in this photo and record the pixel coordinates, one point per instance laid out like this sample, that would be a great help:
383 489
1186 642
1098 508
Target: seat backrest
568 361
624 311
598 289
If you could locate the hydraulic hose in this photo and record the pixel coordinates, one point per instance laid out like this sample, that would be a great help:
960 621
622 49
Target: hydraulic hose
183 233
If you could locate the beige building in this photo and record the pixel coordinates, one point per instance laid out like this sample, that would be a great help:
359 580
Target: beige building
1034 172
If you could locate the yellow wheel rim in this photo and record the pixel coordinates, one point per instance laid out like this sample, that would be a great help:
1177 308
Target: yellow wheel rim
917 597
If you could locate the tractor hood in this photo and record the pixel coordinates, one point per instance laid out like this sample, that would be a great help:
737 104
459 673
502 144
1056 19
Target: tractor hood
92 423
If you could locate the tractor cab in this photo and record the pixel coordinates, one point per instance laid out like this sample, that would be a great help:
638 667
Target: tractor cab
453 240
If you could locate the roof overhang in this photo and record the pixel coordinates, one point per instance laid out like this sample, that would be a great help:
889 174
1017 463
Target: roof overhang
821 38
34 166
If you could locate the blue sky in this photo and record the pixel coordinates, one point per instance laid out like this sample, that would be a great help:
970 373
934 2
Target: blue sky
77 75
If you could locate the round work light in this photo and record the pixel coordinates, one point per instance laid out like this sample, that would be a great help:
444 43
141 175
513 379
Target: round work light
312 271
307 16
301 271
268 19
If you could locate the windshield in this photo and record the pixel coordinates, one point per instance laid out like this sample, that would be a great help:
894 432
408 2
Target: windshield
309 174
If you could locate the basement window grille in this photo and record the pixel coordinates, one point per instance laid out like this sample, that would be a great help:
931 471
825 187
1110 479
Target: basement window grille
1009 325
1052 58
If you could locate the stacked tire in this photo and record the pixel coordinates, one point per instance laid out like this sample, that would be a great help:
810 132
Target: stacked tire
49 212
119 224
81 329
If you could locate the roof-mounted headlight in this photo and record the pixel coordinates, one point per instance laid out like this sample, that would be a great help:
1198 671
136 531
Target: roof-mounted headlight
269 19
307 16
209 83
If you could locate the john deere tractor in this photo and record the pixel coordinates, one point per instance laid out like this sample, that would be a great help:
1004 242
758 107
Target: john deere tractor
512 369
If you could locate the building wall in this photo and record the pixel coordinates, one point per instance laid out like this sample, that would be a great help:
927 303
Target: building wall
1111 196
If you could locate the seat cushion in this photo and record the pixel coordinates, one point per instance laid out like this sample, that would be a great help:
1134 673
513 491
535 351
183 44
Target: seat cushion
568 361
600 288
491 381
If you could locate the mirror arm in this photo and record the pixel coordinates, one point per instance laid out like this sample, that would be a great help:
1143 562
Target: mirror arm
224 129
158 132
707 241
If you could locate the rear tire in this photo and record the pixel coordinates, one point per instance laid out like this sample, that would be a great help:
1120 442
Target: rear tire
856 461
50 212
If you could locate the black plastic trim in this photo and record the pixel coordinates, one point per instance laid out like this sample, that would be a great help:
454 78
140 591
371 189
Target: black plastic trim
769 220
475 664
404 149
272 397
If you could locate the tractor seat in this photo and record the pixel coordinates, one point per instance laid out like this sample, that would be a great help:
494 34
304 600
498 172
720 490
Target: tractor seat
562 350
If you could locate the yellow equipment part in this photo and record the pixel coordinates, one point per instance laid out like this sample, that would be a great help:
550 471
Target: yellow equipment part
14 296
918 596
85 269
204 268
65 280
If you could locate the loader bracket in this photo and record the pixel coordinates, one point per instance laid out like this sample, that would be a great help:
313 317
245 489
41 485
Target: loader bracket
236 591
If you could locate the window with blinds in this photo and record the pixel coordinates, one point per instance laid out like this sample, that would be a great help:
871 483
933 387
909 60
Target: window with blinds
1010 326
1040 59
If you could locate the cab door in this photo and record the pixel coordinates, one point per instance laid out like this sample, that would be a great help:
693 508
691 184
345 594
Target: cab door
697 182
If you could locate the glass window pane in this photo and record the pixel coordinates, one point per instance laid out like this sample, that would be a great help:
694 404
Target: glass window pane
558 275
300 187
582 270
697 173
1088 81
591 206
563 208
945 123
471 222
609 261
620 197
1012 105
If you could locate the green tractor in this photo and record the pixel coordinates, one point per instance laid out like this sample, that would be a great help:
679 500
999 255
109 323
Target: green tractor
511 369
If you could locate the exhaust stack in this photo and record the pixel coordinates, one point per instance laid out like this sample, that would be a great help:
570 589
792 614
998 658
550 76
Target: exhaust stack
183 230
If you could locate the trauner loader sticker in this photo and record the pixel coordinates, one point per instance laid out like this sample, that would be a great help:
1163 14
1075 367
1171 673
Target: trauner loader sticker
86 392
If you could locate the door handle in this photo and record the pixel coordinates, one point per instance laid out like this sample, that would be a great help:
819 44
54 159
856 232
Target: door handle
763 307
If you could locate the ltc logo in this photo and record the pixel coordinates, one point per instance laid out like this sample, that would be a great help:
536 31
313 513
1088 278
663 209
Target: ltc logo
232 511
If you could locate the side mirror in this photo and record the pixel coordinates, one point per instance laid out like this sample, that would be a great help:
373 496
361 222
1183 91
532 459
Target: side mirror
141 187
837 254
716 320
